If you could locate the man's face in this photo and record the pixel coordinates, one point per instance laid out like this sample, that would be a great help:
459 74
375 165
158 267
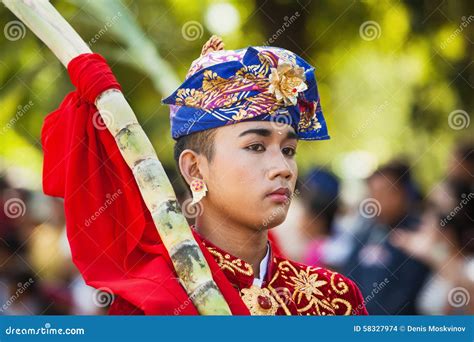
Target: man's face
252 160
392 199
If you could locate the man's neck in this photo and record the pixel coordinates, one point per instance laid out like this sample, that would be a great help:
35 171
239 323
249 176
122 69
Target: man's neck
240 241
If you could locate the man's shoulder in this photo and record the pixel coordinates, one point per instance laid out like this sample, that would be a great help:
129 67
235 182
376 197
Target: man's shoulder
319 272
319 284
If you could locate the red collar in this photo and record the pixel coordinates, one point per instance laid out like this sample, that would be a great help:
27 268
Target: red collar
239 272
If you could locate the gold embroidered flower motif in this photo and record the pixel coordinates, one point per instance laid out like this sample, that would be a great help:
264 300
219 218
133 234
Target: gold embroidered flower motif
189 97
240 115
286 82
306 284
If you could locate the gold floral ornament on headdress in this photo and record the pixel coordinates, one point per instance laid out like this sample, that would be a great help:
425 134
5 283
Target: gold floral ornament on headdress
286 82
214 43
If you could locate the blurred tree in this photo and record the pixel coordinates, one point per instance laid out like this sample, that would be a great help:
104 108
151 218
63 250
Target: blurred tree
392 75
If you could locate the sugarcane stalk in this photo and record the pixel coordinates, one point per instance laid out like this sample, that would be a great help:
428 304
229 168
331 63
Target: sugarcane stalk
156 190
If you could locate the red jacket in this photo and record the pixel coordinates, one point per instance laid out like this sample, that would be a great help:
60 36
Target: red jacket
289 288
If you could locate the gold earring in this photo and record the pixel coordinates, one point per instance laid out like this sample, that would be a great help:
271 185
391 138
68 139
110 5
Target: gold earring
199 189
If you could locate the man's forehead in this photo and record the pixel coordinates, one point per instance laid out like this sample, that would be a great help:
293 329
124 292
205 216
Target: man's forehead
260 127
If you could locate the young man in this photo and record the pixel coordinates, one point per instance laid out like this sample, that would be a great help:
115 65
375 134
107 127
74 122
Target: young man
237 120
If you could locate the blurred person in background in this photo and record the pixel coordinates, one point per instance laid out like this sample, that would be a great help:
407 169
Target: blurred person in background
36 273
389 278
19 289
320 201
460 171
445 240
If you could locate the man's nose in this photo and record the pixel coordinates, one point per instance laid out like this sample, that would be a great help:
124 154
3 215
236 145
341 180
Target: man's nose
279 167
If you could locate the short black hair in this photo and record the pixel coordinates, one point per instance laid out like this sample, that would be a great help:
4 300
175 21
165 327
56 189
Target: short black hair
397 170
201 142
465 152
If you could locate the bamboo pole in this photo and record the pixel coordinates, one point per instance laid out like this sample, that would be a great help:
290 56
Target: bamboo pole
189 262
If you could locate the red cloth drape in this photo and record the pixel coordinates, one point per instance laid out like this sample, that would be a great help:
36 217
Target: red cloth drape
276 246
113 240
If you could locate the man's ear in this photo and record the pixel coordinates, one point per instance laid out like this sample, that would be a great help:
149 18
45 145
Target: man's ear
190 165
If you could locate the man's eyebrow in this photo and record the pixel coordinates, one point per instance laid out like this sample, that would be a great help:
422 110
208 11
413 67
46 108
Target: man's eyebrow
259 131
266 133
292 135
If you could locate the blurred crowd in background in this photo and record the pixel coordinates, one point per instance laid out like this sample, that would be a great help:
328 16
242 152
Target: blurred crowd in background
410 252
37 275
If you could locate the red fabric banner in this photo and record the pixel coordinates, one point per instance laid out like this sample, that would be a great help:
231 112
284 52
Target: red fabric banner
113 239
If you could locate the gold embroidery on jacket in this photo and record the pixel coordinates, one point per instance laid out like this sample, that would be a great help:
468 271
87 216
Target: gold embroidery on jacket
303 289
311 294
348 305
341 287
235 265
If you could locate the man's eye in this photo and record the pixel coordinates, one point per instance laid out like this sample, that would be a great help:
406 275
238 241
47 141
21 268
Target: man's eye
289 151
256 147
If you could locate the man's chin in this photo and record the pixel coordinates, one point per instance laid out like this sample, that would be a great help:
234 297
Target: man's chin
272 221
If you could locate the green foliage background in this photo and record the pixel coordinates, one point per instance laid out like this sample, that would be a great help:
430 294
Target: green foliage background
385 97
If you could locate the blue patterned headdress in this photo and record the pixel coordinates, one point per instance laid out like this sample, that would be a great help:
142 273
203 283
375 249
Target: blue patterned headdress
257 83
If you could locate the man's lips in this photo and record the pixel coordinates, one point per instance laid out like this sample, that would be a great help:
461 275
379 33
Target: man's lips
280 194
